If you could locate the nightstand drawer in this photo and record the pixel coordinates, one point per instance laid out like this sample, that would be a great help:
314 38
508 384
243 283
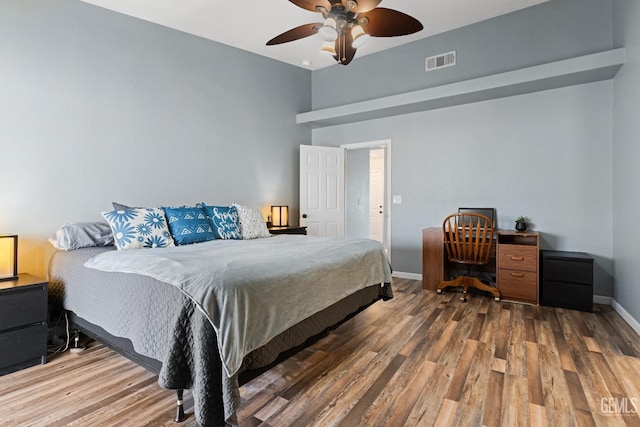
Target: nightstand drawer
569 271
23 347
518 285
23 306
518 257
567 295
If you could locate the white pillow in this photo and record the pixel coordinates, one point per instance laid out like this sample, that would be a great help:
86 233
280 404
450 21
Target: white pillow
252 225
139 228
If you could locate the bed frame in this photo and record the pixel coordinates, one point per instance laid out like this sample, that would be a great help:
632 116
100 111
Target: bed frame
124 347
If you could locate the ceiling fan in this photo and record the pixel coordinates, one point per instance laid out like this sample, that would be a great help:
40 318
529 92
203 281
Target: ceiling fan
348 25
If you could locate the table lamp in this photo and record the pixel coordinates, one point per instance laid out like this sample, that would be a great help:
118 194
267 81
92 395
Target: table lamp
8 256
280 216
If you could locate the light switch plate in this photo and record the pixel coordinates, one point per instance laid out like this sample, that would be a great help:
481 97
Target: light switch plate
397 200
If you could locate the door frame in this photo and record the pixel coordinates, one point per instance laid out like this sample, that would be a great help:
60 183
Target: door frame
386 144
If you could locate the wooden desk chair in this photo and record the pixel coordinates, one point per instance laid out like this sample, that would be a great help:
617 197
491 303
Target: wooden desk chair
468 238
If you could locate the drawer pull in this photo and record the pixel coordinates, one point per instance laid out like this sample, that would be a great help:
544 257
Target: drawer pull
517 274
517 258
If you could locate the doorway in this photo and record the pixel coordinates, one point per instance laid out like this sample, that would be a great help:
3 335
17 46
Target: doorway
367 191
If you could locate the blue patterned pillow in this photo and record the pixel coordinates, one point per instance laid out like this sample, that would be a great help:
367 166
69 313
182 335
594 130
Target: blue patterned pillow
139 228
225 221
189 225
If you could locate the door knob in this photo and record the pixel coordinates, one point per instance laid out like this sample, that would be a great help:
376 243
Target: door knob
304 215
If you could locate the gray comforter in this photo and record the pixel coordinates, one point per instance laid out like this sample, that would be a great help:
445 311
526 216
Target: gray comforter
280 281
165 324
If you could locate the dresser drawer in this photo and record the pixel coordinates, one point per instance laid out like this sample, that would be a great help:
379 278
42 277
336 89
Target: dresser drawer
23 347
518 285
518 257
23 306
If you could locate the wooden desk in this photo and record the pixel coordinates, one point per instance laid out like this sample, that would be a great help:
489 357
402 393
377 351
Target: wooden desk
515 262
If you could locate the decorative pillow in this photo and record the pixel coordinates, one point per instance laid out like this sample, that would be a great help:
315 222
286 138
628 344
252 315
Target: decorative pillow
139 228
252 225
120 207
189 225
82 235
225 221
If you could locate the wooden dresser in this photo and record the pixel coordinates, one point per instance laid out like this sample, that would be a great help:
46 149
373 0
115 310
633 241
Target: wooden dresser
517 266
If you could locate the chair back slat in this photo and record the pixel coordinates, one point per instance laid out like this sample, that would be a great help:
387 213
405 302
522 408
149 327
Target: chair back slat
468 238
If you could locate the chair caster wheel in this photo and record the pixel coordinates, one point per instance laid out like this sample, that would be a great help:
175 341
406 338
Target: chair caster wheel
497 299
463 299
438 291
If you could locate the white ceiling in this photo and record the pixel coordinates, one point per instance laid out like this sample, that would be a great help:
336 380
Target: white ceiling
249 24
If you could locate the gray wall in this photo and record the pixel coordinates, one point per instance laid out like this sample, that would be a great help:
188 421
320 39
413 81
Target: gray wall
551 31
97 106
546 155
357 193
626 173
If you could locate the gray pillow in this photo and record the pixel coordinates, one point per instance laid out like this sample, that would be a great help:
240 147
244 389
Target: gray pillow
120 207
82 235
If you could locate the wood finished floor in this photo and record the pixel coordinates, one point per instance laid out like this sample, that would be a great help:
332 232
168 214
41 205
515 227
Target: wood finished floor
421 359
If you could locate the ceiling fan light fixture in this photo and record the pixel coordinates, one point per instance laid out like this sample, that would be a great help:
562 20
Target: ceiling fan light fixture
328 31
360 38
352 5
328 48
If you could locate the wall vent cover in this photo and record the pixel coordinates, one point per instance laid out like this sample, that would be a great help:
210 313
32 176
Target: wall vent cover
441 61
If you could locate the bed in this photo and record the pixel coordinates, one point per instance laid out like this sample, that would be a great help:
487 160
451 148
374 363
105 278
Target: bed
261 301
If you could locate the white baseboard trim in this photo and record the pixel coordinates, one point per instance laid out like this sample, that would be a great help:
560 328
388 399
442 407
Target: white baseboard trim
601 299
626 316
410 276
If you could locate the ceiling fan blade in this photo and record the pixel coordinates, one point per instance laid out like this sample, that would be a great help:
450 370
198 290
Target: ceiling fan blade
300 32
311 4
344 49
366 5
390 23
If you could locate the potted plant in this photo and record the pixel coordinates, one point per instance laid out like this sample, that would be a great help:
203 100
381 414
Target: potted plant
521 223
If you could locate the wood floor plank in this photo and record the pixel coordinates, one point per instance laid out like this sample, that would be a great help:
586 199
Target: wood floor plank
407 397
534 379
492 416
474 400
421 359
557 398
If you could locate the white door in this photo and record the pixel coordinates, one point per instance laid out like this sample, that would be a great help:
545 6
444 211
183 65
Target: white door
322 190
376 194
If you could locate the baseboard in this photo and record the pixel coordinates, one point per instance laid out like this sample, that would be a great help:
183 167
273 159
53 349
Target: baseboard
403 275
601 299
626 316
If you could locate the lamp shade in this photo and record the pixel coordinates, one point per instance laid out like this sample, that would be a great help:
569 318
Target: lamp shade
360 38
280 216
328 31
8 256
328 48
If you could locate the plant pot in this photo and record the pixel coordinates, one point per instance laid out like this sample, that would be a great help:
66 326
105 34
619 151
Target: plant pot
521 226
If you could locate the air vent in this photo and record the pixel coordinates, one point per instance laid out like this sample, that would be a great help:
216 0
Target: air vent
441 61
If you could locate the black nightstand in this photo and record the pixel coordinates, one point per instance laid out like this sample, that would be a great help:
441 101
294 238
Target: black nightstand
23 323
288 230
567 280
